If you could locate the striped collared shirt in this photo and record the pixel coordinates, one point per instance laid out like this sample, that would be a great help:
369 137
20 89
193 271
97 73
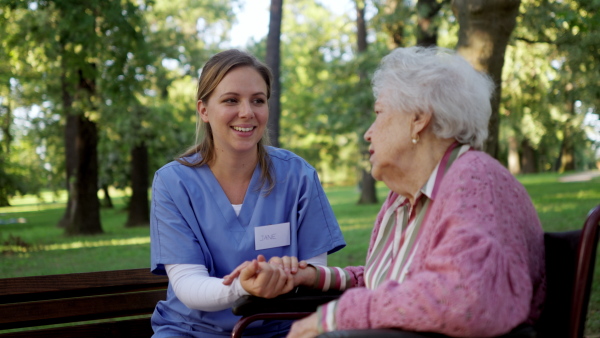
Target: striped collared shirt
395 244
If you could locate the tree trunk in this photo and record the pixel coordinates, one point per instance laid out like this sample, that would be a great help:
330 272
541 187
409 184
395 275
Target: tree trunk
361 30
567 149
85 210
139 211
85 205
395 25
70 137
5 152
368 194
107 201
427 33
6 127
273 60
528 158
485 27
4 179
4 199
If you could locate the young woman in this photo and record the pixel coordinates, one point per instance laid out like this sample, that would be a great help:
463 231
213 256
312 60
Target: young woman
229 199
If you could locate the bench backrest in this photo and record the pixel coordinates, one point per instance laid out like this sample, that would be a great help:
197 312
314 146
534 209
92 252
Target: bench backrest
57 299
570 263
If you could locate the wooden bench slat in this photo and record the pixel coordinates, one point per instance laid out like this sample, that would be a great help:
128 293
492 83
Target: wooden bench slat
78 281
72 299
23 289
139 327
78 309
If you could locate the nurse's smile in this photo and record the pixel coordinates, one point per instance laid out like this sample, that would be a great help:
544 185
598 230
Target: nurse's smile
244 130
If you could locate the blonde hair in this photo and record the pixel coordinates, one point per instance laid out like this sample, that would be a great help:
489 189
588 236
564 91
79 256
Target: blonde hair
217 67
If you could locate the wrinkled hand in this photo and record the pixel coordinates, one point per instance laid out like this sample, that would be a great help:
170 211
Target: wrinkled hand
262 279
305 328
288 264
228 279
305 276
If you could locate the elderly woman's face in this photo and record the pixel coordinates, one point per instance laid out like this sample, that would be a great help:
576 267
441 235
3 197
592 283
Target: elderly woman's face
390 139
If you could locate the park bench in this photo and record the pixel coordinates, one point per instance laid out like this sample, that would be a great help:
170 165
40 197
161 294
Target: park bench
93 304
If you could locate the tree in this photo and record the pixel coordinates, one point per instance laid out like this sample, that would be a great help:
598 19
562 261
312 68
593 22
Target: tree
273 61
427 28
368 193
180 34
394 19
485 28
14 175
527 125
139 211
71 41
551 85
7 184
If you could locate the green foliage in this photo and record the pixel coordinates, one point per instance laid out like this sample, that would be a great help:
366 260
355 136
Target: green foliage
312 39
325 106
134 56
551 79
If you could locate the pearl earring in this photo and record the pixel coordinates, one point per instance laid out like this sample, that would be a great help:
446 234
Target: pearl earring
415 139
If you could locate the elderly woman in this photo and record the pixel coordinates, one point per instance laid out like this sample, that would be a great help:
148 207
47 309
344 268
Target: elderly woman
457 247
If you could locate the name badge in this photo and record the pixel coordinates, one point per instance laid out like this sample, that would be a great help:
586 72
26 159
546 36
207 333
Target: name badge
272 236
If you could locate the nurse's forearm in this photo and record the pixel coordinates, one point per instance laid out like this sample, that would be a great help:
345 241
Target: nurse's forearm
197 290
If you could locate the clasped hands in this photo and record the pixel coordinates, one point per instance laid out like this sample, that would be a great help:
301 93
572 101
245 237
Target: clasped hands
277 276
268 279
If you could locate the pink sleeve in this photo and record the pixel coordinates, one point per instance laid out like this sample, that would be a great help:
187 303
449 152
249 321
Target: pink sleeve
479 259
356 275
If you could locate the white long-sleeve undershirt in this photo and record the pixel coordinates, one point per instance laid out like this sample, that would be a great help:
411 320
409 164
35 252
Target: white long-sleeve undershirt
194 287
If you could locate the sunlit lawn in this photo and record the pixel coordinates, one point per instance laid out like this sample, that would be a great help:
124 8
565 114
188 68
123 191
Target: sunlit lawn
38 247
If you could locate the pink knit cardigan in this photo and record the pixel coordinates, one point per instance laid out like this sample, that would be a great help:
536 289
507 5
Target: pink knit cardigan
479 267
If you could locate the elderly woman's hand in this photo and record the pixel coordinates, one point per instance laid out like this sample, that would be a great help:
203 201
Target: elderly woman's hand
304 328
288 264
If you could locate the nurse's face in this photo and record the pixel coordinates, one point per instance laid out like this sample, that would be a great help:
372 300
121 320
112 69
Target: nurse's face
237 111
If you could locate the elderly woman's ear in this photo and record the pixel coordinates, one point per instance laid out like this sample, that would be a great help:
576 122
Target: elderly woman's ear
419 122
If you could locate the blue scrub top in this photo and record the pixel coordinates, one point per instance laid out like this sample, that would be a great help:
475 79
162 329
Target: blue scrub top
193 222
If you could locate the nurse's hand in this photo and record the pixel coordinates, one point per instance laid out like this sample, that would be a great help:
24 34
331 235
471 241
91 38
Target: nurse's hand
228 279
288 264
306 327
262 279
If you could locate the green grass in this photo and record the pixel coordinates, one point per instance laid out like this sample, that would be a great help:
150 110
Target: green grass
39 247
561 206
